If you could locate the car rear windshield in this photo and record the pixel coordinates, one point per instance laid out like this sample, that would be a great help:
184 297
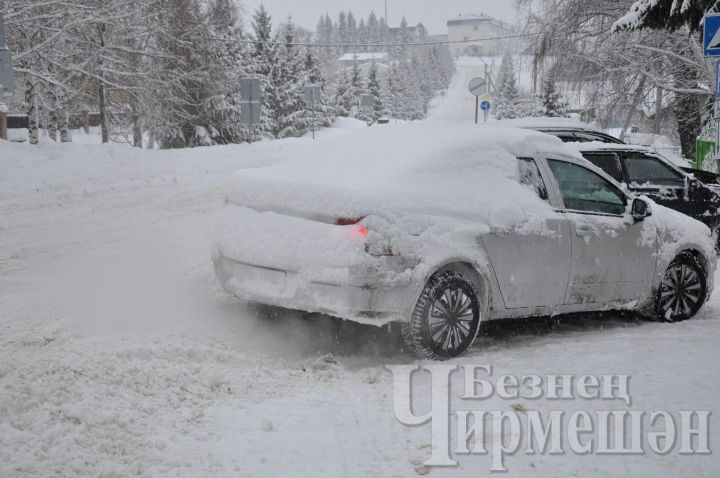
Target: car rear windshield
646 169
581 136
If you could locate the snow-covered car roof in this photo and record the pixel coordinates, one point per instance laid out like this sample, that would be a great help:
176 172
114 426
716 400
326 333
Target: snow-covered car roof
545 123
454 170
600 146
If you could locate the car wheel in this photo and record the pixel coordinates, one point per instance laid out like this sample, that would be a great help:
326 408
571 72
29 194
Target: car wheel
682 291
445 319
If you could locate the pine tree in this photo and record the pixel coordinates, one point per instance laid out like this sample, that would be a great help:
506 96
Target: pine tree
264 61
323 114
352 28
403 39
228 58
373 28
374 89
179 121
551 103
362 35
395 96
345 95
288 79
342 32
505 103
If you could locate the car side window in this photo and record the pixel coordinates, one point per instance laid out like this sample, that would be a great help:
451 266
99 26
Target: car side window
584 190
645 169
608 162
530 176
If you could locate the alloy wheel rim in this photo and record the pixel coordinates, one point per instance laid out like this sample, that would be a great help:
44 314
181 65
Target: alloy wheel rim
451 319
680 291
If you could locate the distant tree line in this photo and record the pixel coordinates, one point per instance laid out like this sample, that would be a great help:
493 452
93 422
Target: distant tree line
167 72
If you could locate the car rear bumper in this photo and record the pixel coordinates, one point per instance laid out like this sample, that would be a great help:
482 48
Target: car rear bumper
364 299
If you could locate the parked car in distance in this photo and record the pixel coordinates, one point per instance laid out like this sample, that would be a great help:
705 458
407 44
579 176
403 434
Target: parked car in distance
650 174
568 130
439 228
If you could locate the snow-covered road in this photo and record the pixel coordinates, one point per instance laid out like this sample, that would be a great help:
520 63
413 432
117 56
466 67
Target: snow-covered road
120 356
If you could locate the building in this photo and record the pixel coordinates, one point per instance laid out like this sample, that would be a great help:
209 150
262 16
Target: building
364 57
467 27
365 62
415 32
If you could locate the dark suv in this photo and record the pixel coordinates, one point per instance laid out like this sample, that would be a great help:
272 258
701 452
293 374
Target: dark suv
644 172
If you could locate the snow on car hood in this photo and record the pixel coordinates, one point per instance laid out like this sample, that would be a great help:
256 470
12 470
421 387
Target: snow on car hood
673 228
457 171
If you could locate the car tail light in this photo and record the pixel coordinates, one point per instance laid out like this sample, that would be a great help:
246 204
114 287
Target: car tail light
353 221
375 245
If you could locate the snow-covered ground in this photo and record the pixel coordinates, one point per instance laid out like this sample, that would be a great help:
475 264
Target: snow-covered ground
120 356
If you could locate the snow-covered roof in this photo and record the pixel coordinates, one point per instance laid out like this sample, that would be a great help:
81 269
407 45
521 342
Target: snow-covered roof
475 18
600 146
471 16
438 170
370 56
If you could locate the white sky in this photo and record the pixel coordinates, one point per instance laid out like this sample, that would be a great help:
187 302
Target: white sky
433 13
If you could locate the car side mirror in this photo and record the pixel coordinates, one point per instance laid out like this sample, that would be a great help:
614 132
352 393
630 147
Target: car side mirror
640 209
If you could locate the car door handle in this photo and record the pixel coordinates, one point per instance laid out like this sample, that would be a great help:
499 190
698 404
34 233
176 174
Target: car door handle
583 232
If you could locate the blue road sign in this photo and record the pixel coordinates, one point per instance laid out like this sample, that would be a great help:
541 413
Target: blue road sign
711 34
485 106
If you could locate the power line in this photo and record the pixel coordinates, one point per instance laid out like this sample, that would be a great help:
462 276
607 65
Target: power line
361 45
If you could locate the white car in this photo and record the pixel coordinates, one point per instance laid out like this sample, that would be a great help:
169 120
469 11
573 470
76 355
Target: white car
442 227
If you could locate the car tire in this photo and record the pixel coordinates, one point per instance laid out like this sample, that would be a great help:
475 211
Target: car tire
682 291
446 317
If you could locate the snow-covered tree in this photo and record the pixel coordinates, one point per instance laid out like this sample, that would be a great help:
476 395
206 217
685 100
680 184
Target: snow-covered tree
507 91
665 14
229 62
653 52
345 97
322 113
342 32
374 89
550 102
394 94
264 61
288 79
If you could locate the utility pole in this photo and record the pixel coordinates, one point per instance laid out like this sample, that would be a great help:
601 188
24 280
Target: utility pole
386 20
